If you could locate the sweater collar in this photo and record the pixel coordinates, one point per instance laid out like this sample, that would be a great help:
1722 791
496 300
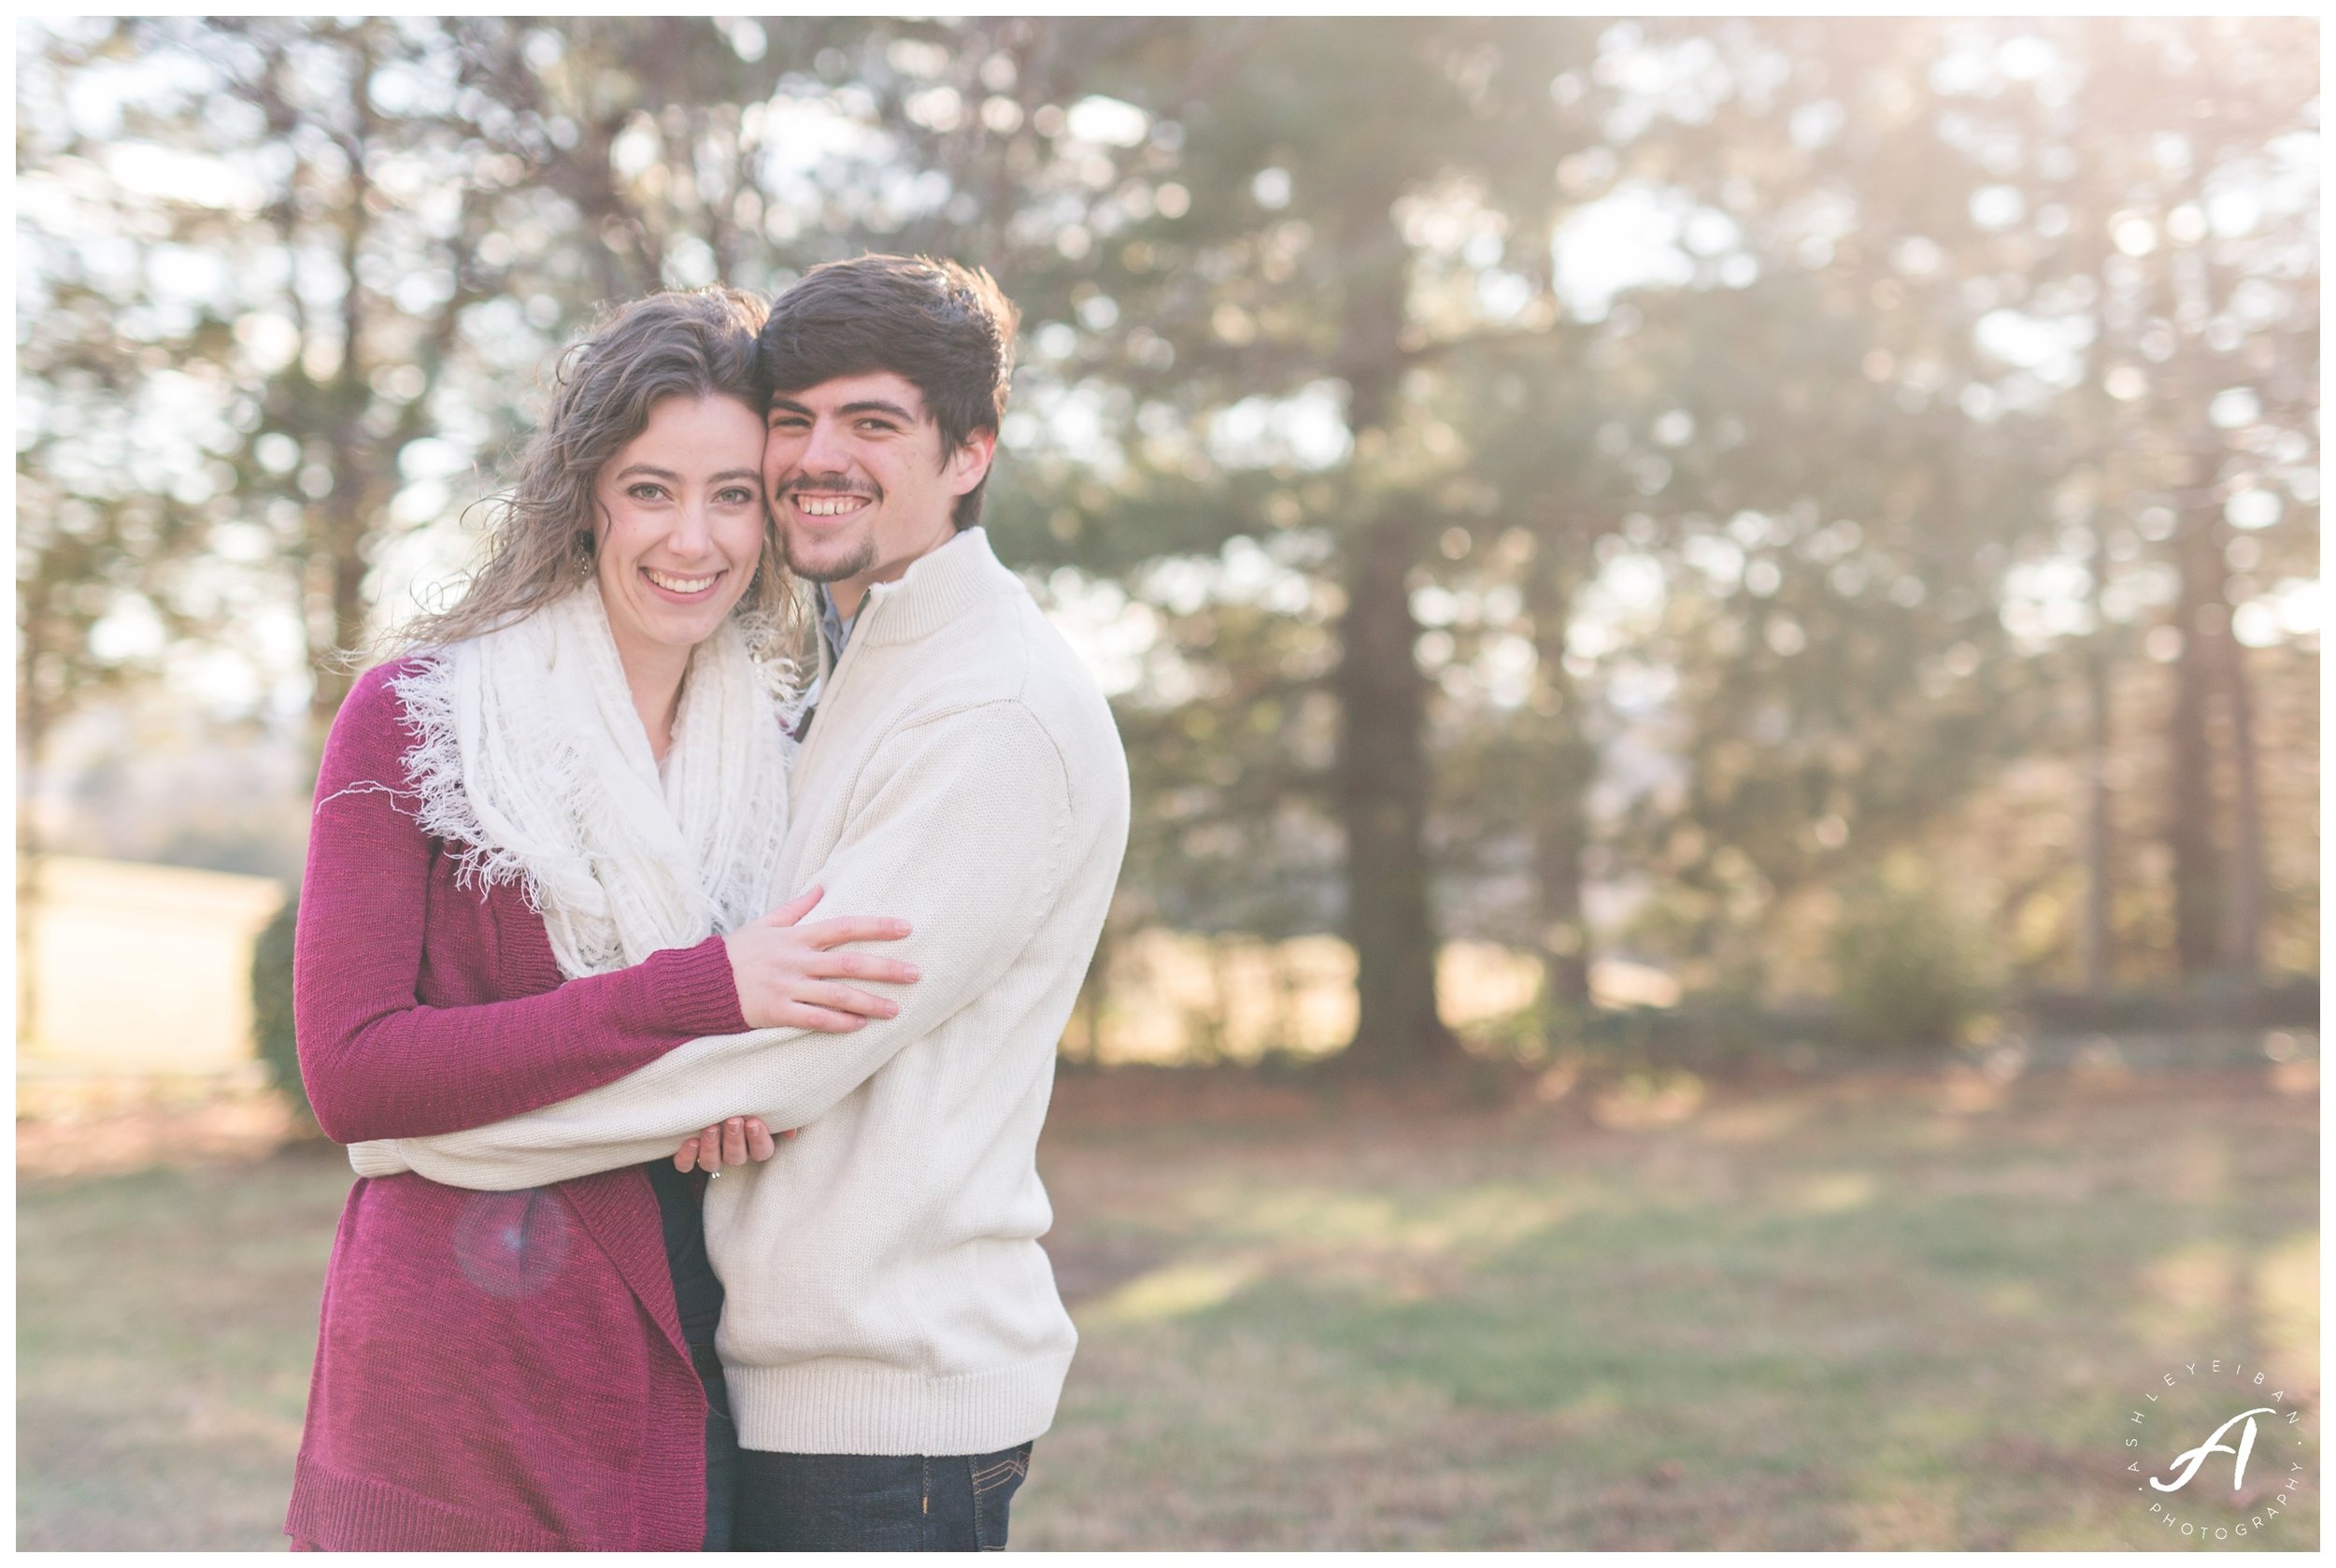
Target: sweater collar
938 588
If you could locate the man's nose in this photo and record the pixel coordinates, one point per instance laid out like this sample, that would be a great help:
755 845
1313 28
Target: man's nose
825 451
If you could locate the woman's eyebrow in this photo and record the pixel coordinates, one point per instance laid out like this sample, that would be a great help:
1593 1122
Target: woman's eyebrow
649 470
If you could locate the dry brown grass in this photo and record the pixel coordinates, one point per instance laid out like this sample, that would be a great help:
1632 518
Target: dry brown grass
1896 1310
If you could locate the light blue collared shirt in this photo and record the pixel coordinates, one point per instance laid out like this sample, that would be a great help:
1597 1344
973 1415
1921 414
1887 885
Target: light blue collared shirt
833 629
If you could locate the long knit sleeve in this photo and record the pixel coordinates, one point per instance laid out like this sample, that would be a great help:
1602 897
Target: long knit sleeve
378 1063
961 826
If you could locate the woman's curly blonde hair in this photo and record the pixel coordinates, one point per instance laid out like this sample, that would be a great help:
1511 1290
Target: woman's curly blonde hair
696 343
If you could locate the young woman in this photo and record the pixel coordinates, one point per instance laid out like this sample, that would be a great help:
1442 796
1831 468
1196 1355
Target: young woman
544 849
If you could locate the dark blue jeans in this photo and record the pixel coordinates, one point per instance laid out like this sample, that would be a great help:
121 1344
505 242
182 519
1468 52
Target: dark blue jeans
882 1503
721 1450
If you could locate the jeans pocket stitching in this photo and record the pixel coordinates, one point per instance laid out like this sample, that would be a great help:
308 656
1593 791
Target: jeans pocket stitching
994 1486
1013 1466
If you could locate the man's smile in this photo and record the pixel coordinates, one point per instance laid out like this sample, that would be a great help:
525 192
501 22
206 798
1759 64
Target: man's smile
830 506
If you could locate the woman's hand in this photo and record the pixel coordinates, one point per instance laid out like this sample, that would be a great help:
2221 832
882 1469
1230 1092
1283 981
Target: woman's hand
787 974
729 1143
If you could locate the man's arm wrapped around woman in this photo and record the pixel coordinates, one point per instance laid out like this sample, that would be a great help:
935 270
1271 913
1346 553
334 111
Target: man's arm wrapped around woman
963 824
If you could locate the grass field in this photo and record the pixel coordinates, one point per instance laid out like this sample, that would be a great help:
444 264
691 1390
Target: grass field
1888 1310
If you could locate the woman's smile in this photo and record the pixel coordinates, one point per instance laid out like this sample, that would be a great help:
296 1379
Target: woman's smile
685 589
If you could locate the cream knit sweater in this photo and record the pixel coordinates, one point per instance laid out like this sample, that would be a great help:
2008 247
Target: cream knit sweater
886 1290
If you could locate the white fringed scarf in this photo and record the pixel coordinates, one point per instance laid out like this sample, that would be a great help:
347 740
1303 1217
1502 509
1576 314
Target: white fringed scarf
532 760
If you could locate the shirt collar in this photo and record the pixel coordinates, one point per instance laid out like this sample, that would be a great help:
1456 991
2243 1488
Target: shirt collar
834 628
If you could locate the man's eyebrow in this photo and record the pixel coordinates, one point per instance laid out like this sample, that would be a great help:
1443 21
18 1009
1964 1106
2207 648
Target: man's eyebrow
868 405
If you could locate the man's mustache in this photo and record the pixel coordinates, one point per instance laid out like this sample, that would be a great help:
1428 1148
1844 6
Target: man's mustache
830 484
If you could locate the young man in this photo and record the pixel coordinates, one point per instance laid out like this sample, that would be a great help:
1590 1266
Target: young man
893 1336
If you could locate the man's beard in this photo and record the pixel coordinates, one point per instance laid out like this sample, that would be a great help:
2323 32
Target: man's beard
850 565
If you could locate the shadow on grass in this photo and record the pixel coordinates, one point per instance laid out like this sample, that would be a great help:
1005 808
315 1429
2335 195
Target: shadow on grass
1882 1313
1908 1327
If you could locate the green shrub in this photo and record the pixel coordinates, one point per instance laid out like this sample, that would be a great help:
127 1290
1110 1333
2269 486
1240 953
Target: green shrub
272 1006
1910 968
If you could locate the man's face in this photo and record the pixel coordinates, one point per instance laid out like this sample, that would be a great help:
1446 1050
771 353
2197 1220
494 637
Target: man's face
859 481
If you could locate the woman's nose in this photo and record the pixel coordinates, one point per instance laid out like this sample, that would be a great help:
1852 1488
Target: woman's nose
693 527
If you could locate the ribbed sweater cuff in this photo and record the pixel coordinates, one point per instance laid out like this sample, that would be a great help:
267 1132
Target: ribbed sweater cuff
865 1407
694 990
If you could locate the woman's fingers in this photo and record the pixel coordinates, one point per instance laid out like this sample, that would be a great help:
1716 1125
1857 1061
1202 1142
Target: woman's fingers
797 1015
796 907
709 1148
761 1146
866 966
855 928
685 1158
845 999
735 1141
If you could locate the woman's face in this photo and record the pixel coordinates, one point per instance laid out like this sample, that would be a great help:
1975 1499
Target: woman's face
681 524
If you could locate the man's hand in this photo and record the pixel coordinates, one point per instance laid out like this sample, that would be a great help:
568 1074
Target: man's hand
729 1143
786 973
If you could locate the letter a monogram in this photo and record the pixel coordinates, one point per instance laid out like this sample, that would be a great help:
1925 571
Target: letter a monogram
2213 1445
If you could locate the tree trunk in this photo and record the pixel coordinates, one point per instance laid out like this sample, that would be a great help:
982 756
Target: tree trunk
1383 772
2100 943
2191 814
28 891
1095 994
32 736
2242 929
355 453
1561 823
1382 795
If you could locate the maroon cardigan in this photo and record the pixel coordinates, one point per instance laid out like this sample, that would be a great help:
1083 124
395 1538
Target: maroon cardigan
494 1371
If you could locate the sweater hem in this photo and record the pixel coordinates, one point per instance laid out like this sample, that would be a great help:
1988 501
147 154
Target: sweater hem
839 1406
357 1513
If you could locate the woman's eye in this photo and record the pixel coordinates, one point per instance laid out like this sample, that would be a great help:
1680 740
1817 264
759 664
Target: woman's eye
735 495
645 492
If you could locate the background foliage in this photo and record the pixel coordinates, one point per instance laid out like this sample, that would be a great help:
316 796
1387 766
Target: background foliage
1600 487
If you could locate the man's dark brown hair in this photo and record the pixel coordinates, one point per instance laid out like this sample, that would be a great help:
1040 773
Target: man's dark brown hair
944 328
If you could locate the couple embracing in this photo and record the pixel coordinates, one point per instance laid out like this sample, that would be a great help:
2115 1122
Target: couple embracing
557 979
